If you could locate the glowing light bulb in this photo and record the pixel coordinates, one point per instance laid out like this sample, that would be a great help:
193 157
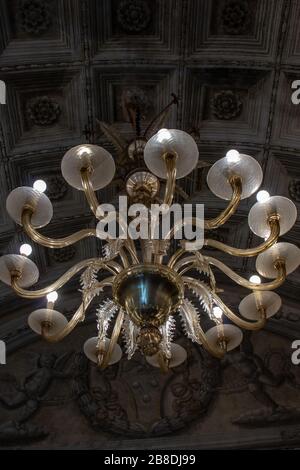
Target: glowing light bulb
262 196
218 312
163 135
233 156
25 249
40 185
84 149
255 279
52 297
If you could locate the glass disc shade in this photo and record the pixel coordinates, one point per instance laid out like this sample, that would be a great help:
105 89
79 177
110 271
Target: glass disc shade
244 166
56 320
259 213
83 156
249 306
171 141
19 197
232 334
286 251
178 356
90 350
29 271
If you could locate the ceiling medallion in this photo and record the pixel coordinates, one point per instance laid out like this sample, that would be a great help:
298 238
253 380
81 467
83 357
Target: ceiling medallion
133 15
226 105
43 111
235 17
34 16
153 287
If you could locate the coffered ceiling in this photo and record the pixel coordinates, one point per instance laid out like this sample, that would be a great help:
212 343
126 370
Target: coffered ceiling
69 63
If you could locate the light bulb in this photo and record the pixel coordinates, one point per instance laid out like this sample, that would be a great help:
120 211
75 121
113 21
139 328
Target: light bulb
163 135
233 156
52 297
262 196
40 185
255 279
217 312
25 249
82 150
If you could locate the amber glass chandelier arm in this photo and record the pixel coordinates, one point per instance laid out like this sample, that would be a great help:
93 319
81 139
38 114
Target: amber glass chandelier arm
27 294
130 247
50 242
89 191
175 257
281 276
273 237
236 184
202 340
257 325
77 317
113 340
188 261
170 162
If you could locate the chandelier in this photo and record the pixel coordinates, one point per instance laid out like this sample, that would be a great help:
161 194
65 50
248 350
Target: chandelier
152 283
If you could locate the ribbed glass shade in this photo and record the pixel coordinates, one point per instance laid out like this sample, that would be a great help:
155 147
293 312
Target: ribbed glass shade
269 300
286 251
10 263
87 155
259 213
171 141
178 356
90 350
231 333
244 166
24 195
55 320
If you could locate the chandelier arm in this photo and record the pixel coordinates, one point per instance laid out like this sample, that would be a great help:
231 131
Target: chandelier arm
236 184
170 162
50 242
279 266
163 362
124 258
211 224
105 358
175 257
188 268
89 190
273 237
129 245
27 294
185 261
254 326
78 315
94 204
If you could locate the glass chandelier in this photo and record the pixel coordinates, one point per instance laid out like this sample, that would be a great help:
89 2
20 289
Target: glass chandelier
151 284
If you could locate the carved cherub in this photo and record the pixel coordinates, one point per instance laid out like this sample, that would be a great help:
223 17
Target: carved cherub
27 395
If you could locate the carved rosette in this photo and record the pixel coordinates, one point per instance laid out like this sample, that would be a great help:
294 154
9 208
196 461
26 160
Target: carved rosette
43 111
34 16
135 98
133 15
226 105
294 190
235 17
56 188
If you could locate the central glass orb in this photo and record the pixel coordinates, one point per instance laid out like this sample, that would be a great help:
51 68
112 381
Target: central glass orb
148 293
